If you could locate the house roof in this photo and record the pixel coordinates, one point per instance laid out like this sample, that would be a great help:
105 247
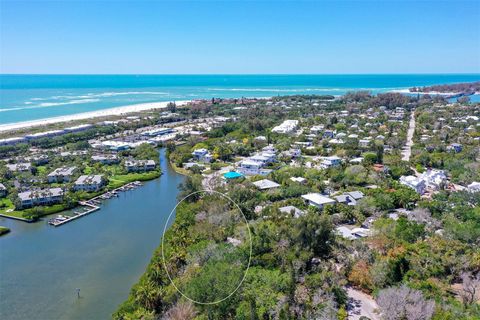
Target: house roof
298 179
42 193
63 171
356 194
266 184
317 198
345 233
289 209
90 180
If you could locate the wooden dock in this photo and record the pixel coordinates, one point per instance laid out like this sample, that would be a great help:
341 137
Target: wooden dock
93 204
57 223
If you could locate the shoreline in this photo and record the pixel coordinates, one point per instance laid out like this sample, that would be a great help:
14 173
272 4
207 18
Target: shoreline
433 93
90 115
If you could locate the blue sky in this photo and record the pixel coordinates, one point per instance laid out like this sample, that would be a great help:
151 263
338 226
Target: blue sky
239 37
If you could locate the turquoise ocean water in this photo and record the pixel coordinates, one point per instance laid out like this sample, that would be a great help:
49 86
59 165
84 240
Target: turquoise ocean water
33 97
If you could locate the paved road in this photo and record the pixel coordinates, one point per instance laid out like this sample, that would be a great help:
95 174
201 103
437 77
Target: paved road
361 304
407 150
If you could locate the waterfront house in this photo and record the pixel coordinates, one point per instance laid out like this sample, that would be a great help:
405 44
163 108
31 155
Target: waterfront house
202 155
63 174
106 158
89 183
40 197
266 184
413 182
3 190
317 200
140 165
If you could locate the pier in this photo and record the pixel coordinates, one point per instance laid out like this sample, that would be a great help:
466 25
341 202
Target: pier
93 204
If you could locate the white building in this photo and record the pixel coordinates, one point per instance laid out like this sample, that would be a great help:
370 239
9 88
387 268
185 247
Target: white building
63 174
40 197
202 155
249 167
140 165
106 158
266 184
328 162
89 183
435 179
413 182
288 126
19 167
317 200
157 132
115 145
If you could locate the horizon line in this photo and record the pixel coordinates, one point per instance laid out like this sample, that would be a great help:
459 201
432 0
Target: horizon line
231 74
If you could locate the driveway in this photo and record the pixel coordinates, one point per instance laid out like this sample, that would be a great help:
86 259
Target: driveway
361 304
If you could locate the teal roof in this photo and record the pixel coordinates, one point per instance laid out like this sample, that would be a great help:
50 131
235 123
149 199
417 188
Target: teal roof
232 175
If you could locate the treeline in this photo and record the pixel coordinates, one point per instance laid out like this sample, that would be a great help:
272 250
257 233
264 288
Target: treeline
467 88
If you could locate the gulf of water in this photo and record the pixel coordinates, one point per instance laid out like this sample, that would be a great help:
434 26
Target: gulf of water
103 254
33 97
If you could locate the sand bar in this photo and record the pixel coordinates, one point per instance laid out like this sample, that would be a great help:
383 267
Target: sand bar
87 115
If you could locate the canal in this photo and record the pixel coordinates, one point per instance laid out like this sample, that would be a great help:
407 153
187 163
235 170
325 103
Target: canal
103 254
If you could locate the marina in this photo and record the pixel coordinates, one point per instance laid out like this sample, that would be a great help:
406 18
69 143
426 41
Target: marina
103 254
91 205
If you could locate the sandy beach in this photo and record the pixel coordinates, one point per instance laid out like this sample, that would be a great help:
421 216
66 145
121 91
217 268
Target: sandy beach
88 115
407 91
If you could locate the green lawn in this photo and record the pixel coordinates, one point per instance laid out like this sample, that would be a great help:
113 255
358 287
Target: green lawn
119 180
4 230
38 211
5 205
114 182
